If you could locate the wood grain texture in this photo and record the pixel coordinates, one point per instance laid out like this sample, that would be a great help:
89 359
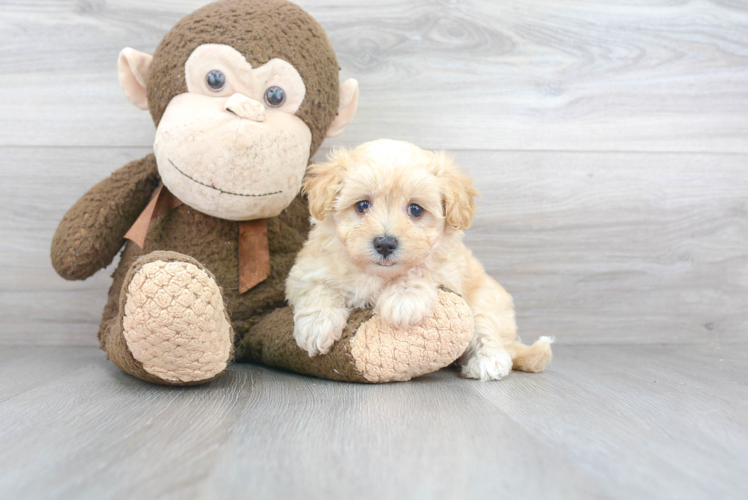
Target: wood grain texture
36 305
595 247
664 75
609 142
602 422
617 247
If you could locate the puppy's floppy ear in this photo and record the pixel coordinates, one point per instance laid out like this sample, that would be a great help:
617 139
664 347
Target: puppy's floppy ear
323 181
457 191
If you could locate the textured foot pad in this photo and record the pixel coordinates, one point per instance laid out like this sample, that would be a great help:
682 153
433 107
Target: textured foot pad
386 354
175 322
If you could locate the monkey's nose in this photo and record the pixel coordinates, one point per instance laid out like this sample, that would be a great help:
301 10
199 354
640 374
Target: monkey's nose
244 107
385 245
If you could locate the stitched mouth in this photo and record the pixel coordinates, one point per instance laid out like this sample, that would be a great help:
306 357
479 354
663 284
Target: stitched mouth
222 190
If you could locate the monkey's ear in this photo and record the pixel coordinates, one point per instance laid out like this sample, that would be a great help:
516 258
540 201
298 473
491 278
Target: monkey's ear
133 69
346 108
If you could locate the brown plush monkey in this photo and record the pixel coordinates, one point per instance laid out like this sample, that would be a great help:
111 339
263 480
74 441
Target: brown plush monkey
242 93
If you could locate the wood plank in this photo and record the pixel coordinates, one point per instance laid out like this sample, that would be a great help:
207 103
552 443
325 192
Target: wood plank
647 421
23 368
36 305
662 75
595 247
430 438
99 433
616 247
613 422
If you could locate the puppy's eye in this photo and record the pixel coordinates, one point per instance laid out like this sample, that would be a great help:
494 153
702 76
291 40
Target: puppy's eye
275 97
415 211
216 80
363 206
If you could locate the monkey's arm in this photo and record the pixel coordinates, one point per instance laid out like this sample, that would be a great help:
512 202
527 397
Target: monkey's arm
93 230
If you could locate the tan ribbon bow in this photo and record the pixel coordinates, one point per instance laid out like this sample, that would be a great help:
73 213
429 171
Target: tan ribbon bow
254 250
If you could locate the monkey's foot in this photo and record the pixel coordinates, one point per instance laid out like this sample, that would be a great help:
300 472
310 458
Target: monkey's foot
383 353
174 321
369 349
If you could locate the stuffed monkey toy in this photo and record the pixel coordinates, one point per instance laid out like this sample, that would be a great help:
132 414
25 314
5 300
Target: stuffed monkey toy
242 93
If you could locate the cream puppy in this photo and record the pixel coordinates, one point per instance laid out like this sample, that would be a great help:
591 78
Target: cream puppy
387 220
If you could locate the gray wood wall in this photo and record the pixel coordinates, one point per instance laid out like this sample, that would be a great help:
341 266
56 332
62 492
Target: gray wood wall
609 140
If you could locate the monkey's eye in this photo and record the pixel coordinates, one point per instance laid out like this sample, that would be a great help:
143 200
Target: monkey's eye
216 80
363 206
415 211
275 97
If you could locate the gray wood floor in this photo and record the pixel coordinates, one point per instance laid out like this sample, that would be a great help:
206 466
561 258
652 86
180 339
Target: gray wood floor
610 142
603 422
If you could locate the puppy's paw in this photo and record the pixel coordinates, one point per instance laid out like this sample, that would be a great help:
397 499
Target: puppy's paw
407 306
316 331
494 366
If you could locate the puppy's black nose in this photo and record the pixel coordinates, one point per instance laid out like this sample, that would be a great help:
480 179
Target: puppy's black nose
385 245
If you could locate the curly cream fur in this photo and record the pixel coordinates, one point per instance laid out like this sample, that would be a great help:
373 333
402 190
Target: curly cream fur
339 269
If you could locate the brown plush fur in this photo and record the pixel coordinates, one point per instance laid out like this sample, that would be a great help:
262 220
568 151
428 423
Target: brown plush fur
271 342
214 243
260 31
92 232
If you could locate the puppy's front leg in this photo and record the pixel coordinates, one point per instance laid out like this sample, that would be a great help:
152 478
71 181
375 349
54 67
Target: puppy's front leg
406 302
320 315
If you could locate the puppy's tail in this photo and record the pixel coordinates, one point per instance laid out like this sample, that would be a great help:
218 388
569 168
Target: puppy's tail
531 358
